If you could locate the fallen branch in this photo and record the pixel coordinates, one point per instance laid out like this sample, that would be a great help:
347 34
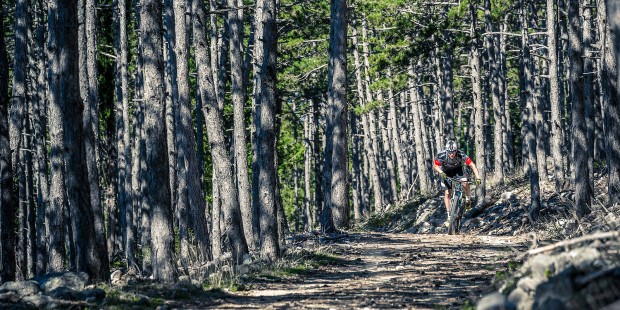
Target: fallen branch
598 236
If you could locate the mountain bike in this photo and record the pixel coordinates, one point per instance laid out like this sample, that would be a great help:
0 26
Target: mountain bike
457 203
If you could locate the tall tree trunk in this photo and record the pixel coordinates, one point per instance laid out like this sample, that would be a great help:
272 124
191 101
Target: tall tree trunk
190 187
419 142
213 120
507 141
478 104
557 134
88 258
581 177
307 213
588 84
87 42
393 126
612 107
337 105
498 107
17 110
266 131
528 116
238 99
157 195
7 191
55 211
318 177
40 136
123 138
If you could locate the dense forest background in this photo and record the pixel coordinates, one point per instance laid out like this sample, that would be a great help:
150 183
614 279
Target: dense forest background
161 135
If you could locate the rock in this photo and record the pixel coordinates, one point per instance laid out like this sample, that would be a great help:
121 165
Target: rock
243 269
529 284
22 288
247 259
73 280
559 288
65 293
495 301
93 295
521 299
9 296
586 259
116 276
37 301
542 265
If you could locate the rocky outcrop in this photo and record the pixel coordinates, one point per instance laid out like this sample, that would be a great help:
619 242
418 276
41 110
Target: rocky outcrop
582 278
50 291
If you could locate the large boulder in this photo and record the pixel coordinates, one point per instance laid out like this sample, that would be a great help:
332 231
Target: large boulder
22 288
495 301
74 280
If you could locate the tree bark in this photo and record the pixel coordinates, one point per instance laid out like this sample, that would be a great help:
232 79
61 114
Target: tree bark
557 134
423 176
56 209
213 120
7 191
478 104
266 130
157 195
581 177
238 99
612 108
88 258
337 104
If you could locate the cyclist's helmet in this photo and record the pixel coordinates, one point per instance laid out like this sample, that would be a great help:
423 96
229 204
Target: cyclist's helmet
451 147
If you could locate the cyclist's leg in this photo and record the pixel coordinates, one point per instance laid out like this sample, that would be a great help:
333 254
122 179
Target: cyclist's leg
446 200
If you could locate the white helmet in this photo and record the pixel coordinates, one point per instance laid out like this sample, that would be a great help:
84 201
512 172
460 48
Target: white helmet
451 146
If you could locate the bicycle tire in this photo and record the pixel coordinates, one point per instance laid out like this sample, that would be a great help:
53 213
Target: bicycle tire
455 221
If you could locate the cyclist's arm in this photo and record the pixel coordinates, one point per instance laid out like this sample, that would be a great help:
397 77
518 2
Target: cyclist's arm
437 166
474 168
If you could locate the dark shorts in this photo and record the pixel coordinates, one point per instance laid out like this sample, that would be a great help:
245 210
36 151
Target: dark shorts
451 173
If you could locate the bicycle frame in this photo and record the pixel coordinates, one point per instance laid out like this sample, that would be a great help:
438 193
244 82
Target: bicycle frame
456 209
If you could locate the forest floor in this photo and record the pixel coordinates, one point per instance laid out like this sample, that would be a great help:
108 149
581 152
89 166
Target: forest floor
380 270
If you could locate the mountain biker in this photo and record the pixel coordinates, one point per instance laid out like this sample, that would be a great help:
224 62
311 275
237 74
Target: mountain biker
449 163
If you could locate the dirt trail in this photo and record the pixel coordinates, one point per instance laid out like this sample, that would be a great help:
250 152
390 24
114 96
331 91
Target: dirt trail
388 271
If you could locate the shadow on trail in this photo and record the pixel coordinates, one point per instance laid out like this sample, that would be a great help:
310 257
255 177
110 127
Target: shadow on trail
388 271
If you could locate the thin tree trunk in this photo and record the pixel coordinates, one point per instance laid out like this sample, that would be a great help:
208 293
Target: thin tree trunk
581 177
213 120
588 84
307 213
7 193
424 182
557 134
478 105
528 116
612 107
238 99
498 108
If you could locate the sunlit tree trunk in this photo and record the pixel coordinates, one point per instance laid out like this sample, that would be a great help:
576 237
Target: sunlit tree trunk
478 103
235 24
557 134
213 119
157 194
